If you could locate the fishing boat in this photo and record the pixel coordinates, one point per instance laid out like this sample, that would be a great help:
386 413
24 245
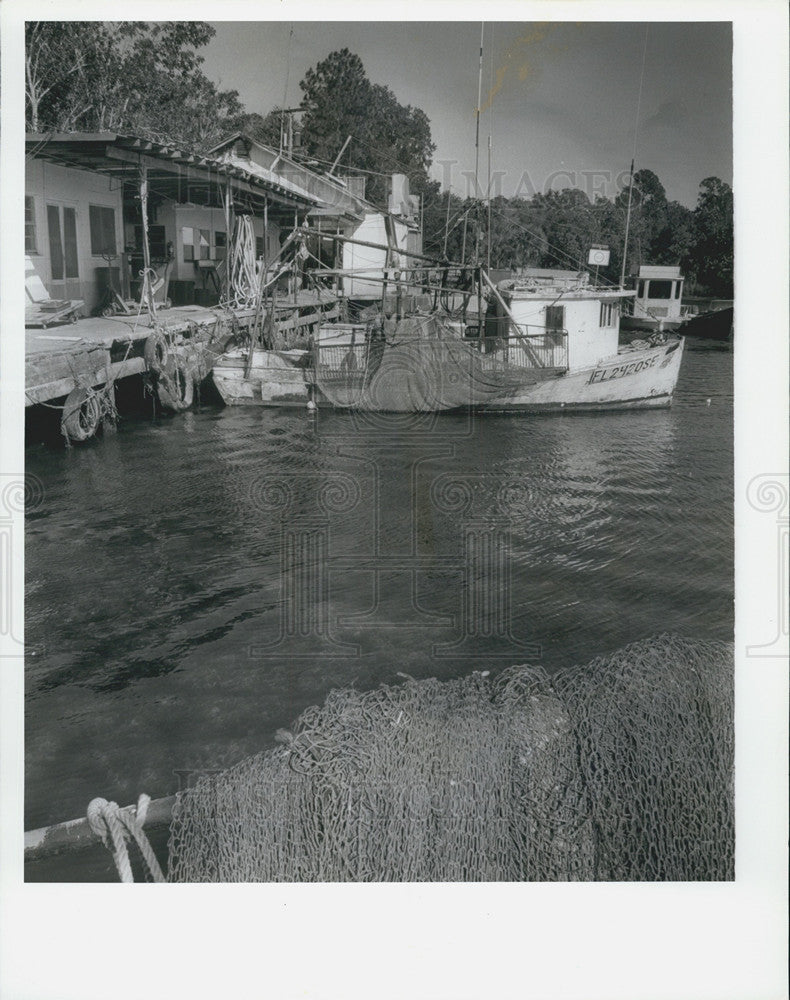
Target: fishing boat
572 327
549 342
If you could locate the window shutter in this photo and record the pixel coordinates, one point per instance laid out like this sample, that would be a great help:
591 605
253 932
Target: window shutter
55 245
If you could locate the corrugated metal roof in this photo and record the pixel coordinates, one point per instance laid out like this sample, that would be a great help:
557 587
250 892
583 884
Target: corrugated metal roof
88 151
248 166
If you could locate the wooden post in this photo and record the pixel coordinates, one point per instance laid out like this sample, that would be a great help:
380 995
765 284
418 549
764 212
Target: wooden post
147 291
480 317
228 235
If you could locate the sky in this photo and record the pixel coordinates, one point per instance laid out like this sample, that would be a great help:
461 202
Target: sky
562 110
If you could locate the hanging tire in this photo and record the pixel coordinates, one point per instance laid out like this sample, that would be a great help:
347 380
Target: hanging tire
157 352
176 386
81 415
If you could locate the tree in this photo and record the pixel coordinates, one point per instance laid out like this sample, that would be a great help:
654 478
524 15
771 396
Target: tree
648 217
127 76
386 137
711 256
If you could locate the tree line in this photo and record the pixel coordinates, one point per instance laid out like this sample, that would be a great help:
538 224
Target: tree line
147 79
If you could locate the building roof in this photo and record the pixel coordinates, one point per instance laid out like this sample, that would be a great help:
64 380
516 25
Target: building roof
173 171
337 198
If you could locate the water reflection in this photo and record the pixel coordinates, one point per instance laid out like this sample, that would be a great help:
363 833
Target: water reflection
176 569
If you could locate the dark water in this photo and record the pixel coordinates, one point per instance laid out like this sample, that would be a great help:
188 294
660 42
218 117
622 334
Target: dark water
194 583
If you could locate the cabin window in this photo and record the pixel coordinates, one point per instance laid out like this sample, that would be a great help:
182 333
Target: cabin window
641 292
678 286
62 226
102 223
30 225
220 242
608 314
661 289
555 318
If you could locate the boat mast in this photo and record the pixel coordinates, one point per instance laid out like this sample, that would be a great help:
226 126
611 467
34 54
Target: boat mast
477 141
477 187
490 134
633 157
627 226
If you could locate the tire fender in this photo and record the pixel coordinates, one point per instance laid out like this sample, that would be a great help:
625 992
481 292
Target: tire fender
81 415
157 352
176 386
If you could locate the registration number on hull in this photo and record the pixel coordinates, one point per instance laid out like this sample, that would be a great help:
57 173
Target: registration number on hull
619 371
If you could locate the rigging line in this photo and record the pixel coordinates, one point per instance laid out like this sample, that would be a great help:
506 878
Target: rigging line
633 158
641 83
554 250
317 159
285 88
377 149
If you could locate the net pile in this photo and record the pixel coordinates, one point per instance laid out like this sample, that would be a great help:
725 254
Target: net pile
419 364
621 769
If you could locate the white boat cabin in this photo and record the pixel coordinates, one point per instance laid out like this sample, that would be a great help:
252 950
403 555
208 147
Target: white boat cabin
659 293
568 323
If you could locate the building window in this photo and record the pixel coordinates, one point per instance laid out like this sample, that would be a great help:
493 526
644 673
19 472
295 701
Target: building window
259 252
102 222
62 226
157 242
678 286
641 292
608 314
555 318
188 242
204 242
220 243
31 245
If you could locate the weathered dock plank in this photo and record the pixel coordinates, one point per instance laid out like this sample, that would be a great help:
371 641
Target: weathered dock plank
97 350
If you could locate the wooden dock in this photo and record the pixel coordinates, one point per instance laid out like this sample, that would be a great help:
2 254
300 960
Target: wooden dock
93 352
86 355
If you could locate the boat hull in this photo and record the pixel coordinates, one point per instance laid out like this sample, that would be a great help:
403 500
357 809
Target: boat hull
629 380
275 378
649 323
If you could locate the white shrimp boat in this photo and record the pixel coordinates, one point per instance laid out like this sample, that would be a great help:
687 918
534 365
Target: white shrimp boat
580 342
550 344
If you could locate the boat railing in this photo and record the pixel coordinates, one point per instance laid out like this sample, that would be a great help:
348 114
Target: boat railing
547 349
542 349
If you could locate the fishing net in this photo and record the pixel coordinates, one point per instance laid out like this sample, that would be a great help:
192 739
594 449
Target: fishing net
420 364
621 769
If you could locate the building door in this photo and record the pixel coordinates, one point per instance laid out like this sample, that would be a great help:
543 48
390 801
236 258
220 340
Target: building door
63 256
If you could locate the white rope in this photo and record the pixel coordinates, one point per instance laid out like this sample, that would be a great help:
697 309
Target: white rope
114 826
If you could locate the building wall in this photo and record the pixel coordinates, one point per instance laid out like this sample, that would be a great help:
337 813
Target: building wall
50 184
371 230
